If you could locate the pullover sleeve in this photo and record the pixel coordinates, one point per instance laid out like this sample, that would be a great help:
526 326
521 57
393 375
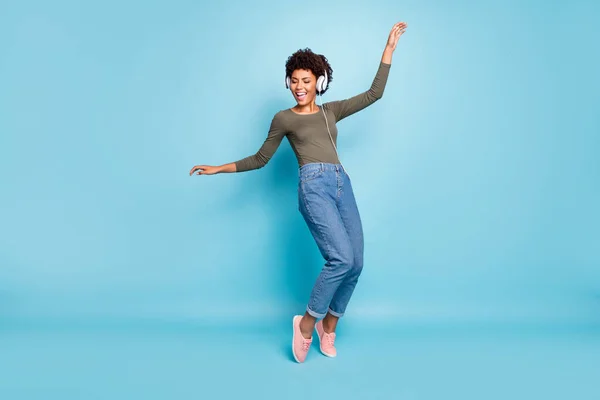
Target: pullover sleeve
263 155
347 107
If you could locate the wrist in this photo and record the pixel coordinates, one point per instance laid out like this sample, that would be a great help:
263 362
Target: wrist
386 58
227 168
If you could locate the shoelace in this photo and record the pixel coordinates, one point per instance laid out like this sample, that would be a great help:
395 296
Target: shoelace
330 338
305 345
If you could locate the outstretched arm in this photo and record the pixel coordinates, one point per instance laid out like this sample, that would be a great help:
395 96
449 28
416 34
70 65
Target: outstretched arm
255 161
347 107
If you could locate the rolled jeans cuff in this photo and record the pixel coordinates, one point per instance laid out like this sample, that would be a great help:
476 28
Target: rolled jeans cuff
315 314
335 314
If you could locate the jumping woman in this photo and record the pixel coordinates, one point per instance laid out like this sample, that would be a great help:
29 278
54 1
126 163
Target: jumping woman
325 196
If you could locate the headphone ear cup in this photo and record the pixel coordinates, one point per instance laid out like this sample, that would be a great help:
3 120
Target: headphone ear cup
320 85
322 82
287 82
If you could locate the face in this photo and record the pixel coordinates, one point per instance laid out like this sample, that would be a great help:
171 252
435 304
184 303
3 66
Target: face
303 86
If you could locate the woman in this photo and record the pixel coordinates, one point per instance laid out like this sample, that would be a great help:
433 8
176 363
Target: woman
326 199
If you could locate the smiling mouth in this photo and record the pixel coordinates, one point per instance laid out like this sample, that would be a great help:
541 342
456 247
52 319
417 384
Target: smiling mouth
301 96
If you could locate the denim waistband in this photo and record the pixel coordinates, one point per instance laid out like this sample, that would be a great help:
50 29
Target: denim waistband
320 166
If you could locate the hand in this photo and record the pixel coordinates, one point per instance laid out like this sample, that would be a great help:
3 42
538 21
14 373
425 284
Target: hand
204 170
398 29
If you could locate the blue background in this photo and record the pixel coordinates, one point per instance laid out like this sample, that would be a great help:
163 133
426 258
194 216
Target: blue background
477 176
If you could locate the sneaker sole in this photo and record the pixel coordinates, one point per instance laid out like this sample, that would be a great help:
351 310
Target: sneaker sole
294 339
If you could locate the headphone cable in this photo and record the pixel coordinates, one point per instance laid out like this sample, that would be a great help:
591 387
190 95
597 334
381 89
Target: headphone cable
331 137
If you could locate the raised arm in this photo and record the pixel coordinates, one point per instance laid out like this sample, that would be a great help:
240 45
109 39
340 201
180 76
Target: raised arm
255 161
347 107
344 108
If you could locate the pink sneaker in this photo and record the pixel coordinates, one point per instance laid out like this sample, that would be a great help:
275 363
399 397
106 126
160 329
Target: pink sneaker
300 345
326 340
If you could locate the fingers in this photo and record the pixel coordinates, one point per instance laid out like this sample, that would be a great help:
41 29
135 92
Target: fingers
399 26
398 29
198 168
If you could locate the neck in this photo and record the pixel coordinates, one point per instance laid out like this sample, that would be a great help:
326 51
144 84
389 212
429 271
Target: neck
308 108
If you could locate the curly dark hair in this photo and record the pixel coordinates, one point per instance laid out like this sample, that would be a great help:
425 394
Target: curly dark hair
306 59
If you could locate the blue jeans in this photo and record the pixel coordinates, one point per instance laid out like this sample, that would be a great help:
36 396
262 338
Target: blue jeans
326 201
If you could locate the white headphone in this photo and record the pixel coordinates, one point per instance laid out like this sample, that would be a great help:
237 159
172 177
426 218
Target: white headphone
321 82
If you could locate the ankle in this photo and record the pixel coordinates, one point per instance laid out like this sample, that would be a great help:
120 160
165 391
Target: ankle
306 328
328 326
